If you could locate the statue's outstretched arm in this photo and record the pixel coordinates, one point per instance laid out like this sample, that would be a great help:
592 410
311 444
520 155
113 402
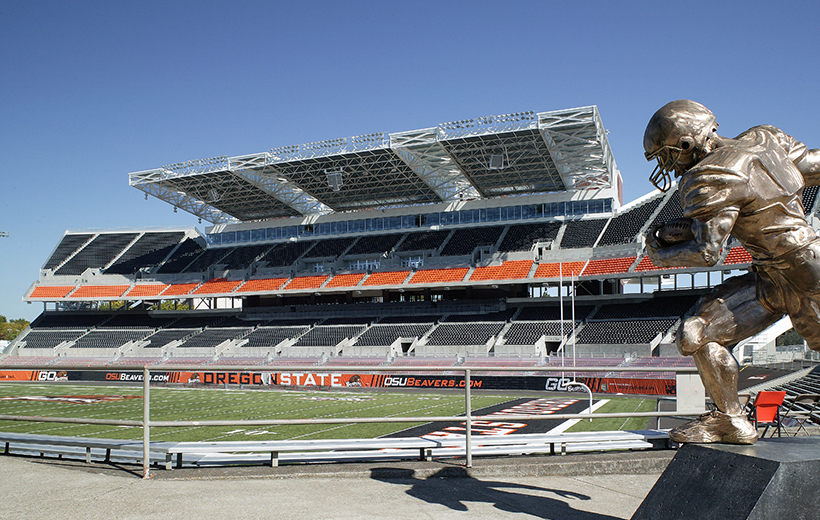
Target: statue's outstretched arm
703 250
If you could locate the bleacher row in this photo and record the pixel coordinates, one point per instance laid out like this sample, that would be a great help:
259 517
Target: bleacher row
151 334
509 270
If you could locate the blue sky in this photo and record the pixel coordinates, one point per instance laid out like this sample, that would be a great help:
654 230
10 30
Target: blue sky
92 91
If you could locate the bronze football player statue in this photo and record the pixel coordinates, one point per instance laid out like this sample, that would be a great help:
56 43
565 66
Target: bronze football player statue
750 188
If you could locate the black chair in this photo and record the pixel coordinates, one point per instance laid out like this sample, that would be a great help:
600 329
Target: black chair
800 411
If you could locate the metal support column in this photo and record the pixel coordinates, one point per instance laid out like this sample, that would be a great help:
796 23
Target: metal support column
146 426
469 413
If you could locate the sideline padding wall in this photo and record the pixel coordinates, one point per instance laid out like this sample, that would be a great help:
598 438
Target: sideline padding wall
320 380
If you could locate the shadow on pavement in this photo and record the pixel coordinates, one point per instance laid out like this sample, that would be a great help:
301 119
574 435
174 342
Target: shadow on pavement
454 493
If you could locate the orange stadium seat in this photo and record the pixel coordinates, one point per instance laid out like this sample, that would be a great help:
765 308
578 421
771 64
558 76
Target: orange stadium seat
738 255
387 278
53 291
609 266
146 289
506 271
345 280
440 275
646 265
179 289
218 286
263 285
306 282
566 270
100 291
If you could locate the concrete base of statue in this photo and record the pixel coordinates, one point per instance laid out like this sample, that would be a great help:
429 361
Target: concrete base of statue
774 478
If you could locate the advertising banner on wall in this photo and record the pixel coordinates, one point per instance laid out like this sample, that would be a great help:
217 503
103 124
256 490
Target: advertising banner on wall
608 385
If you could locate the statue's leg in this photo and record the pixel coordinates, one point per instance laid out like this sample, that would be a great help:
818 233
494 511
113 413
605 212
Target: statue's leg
728 315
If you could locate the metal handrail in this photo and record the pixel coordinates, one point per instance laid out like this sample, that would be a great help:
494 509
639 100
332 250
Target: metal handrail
147 423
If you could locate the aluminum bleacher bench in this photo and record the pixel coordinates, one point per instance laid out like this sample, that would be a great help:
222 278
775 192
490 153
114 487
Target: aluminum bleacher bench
337 450
56 444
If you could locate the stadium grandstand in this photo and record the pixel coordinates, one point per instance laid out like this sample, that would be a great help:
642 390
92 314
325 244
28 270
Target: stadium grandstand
500 239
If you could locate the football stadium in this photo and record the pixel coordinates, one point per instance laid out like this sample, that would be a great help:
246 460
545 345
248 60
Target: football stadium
386 262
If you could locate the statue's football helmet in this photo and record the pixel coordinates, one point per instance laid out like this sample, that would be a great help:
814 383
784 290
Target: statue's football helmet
676 137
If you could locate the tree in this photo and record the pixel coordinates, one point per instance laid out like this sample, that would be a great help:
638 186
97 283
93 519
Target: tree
11 329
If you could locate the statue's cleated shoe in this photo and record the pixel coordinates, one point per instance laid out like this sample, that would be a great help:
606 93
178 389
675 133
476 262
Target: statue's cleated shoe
716 426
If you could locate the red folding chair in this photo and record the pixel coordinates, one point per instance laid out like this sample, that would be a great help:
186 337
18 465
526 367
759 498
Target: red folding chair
766 410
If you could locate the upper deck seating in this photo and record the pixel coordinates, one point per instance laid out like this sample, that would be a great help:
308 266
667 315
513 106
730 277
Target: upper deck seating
208 258
521 237
809 196
97 254
148 251
285 254
67 246
582 233
423 241
330 247
184 255
242 257
465 240
623 228
374 244
671 210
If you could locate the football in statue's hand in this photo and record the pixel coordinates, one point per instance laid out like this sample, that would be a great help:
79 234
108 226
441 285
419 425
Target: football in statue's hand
675 231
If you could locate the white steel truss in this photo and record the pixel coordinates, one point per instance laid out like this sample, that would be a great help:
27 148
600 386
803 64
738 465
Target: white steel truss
577 141
422 152
510 154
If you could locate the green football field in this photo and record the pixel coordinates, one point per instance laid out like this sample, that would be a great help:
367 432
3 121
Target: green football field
172 404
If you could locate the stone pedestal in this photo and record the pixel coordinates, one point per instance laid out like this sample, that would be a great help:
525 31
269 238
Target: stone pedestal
774 478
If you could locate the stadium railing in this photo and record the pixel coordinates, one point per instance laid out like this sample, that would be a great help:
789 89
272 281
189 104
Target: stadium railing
468 418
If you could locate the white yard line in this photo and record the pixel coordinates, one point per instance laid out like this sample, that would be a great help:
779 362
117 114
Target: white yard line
566 425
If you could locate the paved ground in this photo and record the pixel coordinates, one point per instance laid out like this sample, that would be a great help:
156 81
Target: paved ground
579 486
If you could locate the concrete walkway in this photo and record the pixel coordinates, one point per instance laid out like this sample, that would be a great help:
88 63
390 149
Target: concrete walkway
581 486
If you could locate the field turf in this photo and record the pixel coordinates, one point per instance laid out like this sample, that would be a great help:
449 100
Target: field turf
169 404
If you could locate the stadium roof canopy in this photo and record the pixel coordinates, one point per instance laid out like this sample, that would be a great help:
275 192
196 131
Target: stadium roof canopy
512 154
